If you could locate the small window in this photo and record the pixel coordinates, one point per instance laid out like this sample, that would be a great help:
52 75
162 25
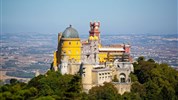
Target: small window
69 43
77 43
87 56
118 66
122 78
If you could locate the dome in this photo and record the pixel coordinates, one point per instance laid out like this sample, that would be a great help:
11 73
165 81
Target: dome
91 38
95 38
70 32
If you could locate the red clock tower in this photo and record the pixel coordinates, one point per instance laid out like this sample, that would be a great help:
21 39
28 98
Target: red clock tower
94 30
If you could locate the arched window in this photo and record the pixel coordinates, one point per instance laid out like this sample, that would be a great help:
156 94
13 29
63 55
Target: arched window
69 43
122 77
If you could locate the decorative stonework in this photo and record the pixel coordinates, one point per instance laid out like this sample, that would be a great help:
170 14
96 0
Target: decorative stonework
95 64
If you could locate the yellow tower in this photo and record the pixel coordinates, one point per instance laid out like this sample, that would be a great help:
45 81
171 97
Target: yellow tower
69 45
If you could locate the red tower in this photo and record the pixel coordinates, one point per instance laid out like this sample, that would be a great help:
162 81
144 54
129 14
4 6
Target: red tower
94 29
127 48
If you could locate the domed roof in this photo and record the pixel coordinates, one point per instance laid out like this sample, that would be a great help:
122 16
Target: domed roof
91 38
95 38
70 32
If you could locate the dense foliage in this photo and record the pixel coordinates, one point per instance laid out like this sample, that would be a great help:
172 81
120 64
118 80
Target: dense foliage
151 81
154 81
53 85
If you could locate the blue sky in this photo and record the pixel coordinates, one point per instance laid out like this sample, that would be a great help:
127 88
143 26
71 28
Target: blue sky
116 16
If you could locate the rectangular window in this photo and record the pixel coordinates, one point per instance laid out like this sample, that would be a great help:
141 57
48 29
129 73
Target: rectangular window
122 80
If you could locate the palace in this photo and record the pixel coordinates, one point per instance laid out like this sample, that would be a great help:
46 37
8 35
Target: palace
95 63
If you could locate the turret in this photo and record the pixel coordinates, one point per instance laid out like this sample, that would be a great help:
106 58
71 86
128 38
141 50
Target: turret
127 48
94 29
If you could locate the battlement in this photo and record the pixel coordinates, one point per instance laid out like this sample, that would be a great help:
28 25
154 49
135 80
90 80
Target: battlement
95 24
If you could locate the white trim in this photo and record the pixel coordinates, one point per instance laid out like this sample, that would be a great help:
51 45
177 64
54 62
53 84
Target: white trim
111 49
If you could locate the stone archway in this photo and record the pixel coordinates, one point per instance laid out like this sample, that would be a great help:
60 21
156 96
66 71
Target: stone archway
122 78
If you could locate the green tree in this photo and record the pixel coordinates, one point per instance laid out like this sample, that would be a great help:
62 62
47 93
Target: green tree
133 77
138 89
159 80
105 92
141 58
130 96
167 94
151 60
60 86
13 81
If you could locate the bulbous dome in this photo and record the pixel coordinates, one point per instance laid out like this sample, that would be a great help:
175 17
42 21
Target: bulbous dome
70 32
95 38
91 38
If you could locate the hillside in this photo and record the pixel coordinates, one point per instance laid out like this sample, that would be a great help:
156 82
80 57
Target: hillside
151 81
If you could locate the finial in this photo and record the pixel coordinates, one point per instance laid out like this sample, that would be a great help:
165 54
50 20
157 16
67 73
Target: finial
70 25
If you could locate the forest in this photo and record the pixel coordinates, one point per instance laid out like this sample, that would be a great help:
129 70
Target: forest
150 81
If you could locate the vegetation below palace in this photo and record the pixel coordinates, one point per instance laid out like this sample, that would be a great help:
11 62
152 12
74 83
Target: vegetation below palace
150 81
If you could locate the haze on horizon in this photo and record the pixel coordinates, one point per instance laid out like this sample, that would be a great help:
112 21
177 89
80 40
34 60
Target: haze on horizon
116 16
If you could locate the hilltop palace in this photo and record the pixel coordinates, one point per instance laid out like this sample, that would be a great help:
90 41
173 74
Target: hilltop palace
95 63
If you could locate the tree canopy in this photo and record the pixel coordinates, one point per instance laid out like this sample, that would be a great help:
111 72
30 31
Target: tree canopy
51 85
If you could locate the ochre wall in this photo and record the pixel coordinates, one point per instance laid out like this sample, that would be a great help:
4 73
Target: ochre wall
71 47
103 57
